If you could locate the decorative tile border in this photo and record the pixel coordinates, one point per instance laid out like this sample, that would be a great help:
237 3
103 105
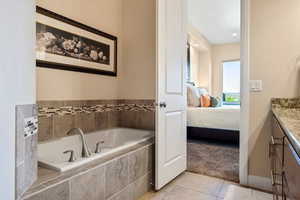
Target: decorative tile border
44 111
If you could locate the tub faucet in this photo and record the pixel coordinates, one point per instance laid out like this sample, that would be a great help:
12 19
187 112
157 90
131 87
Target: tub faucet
85 149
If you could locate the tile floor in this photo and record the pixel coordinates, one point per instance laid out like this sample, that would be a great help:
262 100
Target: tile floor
190 186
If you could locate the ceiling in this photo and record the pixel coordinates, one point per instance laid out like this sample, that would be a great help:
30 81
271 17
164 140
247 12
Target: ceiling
217 20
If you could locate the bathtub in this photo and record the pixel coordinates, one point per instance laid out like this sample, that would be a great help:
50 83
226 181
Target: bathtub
51 156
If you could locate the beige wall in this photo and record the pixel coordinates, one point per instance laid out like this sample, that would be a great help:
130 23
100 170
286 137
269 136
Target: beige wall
105 15
201 61
221 53
139 59
195 64
274 59
136 27
205 70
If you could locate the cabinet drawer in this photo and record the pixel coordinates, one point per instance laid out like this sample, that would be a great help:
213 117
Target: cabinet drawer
291 167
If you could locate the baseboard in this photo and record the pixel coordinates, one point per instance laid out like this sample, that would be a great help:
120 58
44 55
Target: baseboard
261 183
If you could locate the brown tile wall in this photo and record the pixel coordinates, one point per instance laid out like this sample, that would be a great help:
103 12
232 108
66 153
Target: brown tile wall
57 117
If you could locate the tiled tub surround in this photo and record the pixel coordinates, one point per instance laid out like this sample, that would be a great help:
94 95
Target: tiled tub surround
125 175
57 117
287 112
110 141
26 147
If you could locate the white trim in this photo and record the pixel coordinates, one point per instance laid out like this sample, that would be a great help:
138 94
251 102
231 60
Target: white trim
245 92
261 183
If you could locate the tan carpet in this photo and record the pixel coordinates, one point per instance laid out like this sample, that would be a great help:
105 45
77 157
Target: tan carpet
214 159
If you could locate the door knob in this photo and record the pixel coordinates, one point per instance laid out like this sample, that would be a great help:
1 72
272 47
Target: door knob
163 105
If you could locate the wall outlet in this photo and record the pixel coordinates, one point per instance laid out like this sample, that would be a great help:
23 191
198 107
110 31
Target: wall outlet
256 85
31 126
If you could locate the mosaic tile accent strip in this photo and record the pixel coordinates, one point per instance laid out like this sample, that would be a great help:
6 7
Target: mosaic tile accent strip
72 110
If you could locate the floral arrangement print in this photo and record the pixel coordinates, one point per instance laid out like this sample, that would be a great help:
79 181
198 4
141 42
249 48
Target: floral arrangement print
59 42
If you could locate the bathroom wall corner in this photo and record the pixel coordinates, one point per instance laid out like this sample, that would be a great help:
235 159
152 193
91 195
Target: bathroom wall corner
26 148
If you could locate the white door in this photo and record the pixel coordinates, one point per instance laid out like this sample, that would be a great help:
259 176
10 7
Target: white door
171 91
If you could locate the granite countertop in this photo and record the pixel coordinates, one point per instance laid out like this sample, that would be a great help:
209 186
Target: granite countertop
287 112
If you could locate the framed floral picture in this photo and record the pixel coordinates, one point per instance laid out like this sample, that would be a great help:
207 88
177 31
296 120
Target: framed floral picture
62 43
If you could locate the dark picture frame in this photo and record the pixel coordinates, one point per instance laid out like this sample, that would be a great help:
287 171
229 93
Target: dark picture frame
94 53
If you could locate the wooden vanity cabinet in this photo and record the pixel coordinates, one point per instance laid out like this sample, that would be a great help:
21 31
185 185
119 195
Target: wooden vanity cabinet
285 165
276 159
291 172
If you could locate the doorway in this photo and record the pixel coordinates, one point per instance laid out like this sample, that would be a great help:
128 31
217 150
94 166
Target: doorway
244 96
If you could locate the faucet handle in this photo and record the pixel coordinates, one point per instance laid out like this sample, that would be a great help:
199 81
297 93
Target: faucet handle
72 156
98 146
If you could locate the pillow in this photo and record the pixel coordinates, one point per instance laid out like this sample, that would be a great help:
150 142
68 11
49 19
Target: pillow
205 101
202 91
215 101
193 96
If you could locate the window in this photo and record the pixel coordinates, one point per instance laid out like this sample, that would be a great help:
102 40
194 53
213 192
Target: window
231 82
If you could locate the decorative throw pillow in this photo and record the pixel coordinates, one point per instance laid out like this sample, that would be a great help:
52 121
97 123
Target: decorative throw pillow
193 96
205 101
215 101
202 91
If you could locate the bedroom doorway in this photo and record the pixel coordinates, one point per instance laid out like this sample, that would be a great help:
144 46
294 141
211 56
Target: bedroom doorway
213 89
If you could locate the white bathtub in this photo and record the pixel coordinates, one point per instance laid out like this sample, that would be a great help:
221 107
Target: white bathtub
50 154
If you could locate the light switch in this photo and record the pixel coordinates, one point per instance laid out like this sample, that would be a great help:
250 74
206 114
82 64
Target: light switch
256 85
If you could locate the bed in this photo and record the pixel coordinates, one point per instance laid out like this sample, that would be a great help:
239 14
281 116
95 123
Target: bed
220 123
225 117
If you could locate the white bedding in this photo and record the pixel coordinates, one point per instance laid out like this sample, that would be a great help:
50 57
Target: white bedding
225 117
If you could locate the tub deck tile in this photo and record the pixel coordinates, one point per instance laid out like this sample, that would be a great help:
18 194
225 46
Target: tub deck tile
89 185
137 164
116 179
116 176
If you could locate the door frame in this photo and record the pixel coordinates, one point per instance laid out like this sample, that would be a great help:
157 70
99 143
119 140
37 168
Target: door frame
245 93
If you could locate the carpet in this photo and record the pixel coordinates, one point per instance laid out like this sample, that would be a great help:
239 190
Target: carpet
213 159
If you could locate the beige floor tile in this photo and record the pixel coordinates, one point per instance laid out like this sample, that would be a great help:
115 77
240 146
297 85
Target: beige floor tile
224 188
234 192
178 193
200 183
258 195
153 196
191 186
181 193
